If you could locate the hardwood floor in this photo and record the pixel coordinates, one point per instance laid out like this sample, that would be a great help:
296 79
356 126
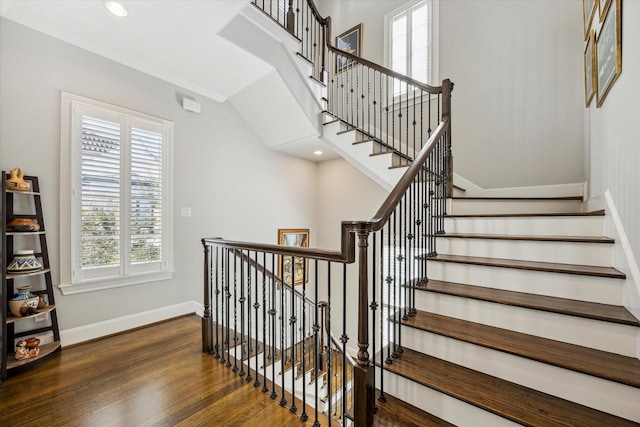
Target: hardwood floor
152 376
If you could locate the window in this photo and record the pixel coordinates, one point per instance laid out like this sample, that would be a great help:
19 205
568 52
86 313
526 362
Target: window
119 180
411 48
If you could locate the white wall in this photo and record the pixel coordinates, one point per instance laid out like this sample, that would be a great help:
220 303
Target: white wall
504 57
236 188
613 139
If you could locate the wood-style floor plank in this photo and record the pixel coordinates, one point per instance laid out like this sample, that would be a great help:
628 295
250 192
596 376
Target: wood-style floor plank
589 310
151 376
512 401
549 267
610 366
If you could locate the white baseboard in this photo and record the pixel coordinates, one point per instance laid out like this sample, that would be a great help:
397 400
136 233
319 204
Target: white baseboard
557 190
120 324
623 257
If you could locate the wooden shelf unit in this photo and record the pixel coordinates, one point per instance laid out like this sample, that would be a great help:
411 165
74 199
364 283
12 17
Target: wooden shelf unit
40 280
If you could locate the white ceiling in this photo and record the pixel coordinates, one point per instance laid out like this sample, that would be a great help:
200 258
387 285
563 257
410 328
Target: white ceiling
173 40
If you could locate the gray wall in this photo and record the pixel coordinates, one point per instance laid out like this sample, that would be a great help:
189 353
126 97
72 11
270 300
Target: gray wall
236 188
504 57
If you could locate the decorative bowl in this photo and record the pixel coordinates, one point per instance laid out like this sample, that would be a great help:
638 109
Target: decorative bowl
15 306
24 261
23 224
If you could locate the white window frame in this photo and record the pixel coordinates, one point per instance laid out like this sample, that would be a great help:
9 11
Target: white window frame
433 7
73 278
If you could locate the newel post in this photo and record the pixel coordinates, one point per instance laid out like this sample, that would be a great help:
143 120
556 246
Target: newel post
364 370
447 87
207 330
291 20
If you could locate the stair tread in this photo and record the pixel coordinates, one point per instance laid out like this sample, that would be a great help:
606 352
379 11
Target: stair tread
551 267
610 366
565 198
526 215
541 238
512 401
398 413
586 309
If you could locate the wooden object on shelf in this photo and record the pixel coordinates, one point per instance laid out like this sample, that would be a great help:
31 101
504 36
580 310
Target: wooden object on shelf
40 280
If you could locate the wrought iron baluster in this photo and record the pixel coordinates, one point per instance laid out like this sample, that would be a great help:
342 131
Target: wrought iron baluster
292 322
316 349
274 349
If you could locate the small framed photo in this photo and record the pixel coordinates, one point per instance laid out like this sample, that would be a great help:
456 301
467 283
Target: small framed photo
350 41
295 269
608 52
589 69
589 8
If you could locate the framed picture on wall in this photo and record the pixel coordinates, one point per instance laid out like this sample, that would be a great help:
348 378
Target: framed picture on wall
350 41
608 51
295 270
589 69
589 8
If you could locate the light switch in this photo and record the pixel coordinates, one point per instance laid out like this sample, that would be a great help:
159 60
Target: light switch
185 211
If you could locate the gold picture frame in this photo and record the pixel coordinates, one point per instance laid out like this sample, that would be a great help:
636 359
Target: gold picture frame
608 51
350 41
297 237
589 69
589 8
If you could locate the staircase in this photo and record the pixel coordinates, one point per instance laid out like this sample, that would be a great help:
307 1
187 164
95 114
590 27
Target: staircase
521 319
520 322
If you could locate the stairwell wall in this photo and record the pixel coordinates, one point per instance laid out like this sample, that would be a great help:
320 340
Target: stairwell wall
612 154
517 69
236 187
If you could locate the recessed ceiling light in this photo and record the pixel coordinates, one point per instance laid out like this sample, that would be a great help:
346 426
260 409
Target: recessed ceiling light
318 153
115 7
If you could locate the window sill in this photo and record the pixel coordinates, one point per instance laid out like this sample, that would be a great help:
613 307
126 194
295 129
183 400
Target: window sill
102 284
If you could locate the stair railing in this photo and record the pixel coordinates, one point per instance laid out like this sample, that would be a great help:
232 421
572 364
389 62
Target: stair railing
393 248
402 116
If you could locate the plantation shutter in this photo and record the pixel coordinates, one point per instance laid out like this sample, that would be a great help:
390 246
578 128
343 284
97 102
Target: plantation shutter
119 186
100 193
146 196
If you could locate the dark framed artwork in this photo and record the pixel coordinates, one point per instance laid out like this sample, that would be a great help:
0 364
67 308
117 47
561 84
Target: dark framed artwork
295 270
608 51
589 8
350 41
589 69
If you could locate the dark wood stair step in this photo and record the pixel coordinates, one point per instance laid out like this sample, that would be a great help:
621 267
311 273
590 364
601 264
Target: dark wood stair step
394 412
570 307
517 199
602 364
528 215
512 401
565 239
549 267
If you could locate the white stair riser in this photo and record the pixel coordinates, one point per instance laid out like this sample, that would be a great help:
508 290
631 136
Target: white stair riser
598 393
439 404
594 254
573 286
487 206
535 226
360 155
606 336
